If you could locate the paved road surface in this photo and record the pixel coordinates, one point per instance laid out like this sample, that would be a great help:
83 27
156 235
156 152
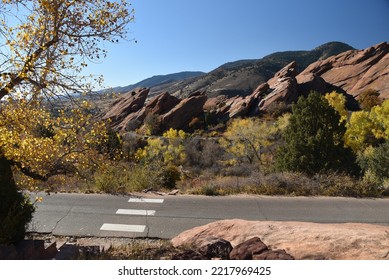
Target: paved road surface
166 216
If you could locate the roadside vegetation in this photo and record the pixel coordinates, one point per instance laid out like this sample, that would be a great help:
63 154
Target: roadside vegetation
319 148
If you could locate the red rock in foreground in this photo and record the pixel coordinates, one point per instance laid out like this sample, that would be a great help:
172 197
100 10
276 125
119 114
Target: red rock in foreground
300 239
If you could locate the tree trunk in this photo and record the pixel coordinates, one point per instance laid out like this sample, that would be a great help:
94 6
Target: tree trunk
15 209
7 182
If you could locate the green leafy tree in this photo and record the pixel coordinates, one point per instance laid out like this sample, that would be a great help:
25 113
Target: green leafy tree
314 139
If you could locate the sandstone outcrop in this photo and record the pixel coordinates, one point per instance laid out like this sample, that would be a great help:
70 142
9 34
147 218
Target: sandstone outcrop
189 108
283 87
355 70
311 82
159 105
128 103
301 240
288 71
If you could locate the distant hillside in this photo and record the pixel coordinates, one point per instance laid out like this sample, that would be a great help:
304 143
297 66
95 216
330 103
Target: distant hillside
243 76
159 80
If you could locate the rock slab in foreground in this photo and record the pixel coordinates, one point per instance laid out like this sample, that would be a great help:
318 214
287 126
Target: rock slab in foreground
302 240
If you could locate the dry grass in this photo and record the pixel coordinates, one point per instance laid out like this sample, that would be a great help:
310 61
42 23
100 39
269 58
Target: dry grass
285 183
140 250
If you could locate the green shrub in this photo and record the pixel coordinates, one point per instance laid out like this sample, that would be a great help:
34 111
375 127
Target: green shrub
169 177
375 163
15 219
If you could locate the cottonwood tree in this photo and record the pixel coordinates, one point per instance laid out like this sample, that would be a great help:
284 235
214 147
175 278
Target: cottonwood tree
44 47
368 127
246 139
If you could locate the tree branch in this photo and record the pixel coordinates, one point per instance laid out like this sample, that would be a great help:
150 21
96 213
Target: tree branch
17 79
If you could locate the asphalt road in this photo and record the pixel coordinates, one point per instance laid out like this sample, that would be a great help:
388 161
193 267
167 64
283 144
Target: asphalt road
166 216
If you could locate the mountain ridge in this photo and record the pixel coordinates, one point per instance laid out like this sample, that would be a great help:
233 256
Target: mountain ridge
238 77
241 77
157 80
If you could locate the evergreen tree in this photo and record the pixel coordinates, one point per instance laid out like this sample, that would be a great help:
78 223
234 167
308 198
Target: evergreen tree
314 139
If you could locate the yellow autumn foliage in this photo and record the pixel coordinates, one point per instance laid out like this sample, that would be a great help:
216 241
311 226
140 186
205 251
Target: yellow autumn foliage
168 149
366 128
338 102
41 145
245 139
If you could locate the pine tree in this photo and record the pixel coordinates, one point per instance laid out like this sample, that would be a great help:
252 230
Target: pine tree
314 139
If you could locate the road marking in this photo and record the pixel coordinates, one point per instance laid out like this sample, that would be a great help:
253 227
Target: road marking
135 212
146 200
139 212
122 227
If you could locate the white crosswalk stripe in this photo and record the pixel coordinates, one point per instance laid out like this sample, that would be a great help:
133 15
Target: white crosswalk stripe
134 212
123 227
146 200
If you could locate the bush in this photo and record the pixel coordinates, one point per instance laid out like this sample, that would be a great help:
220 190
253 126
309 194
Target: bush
169 176
203 153
125 178
15 218
347 186
288 183
369 98
375 162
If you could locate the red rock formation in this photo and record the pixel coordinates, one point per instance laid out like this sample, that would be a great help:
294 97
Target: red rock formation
355 71
289 71
283 87
128 103
189 108
246 250
310 82
159 105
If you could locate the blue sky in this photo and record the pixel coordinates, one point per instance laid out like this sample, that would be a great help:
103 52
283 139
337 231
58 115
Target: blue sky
200 35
